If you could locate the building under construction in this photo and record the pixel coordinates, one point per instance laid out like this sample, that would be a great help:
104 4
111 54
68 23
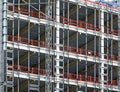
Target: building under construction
59 46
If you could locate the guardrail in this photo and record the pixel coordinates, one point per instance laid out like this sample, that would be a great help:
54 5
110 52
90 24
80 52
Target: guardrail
67 75
64 48
72 22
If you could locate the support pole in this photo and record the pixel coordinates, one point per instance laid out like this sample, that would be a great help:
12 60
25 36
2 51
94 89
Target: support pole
119 51
57 45
3 40
4 24
102 50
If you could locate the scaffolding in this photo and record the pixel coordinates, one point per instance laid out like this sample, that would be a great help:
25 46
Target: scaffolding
59 46
48 38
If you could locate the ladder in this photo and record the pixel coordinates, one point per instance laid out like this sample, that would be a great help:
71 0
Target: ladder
105 73
60 74
34 86
10 66
34 82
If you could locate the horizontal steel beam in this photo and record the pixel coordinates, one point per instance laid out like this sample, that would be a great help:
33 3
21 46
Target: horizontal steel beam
70 27
66 81
54 52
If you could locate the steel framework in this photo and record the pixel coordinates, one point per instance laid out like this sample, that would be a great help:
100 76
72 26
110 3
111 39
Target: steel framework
59 46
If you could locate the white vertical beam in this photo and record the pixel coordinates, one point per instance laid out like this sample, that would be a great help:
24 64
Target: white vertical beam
1 61
57 45
102 49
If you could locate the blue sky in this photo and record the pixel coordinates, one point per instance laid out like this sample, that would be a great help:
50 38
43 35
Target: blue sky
109 2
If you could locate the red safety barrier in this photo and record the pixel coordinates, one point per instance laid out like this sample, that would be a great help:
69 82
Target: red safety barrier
114 82
64 20
32 13
111 31
65 48
111 57
67 75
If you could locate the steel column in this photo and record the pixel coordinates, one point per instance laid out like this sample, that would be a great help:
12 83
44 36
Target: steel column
102 49
119 51
57 46
3 40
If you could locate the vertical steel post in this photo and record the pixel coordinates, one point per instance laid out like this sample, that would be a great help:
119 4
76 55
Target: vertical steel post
4 24
95 48
86 47
3 42
1 59
68 44
57 45
102 49
119 51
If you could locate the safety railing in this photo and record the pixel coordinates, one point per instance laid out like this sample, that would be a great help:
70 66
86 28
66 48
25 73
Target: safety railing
80 24
111 31
65 48
111 57
26 12
72 76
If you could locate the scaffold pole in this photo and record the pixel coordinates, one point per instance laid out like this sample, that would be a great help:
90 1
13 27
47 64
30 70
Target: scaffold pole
3 40
119 51
102 49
